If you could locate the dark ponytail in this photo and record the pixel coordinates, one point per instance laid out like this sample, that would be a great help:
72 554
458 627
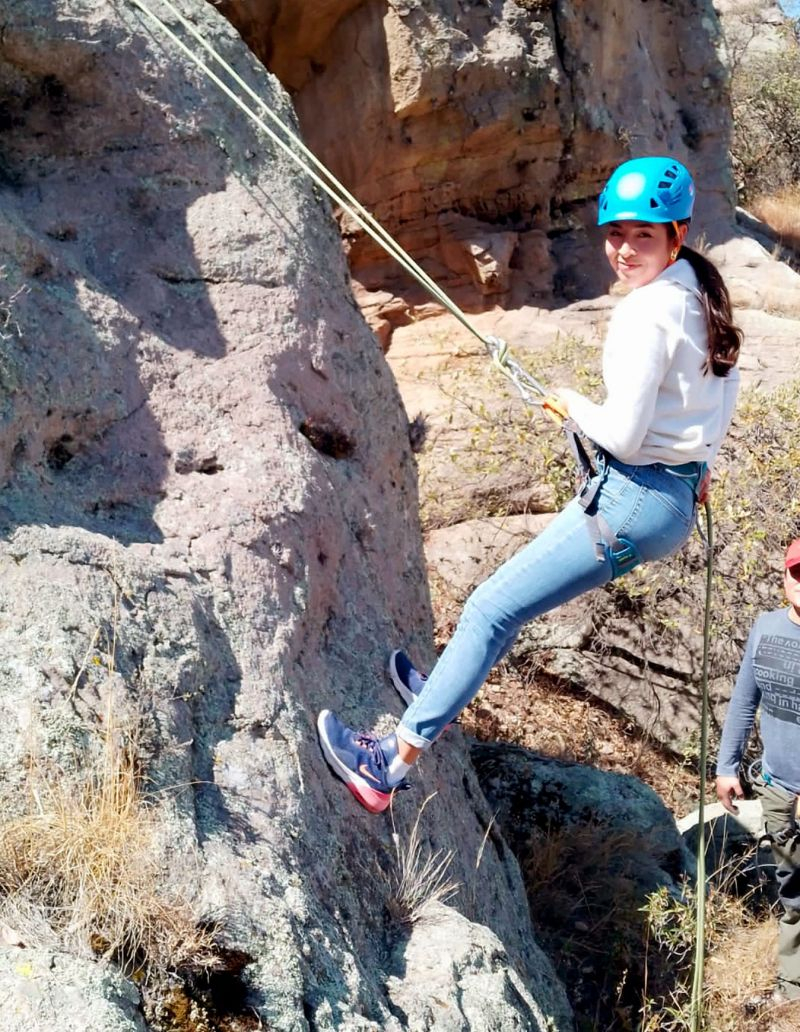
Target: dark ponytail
724 338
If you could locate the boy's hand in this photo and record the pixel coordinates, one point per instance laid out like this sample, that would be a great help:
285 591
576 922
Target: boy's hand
728 789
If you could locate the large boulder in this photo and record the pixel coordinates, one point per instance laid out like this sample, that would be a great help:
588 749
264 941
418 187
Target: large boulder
456 975
530 792
44 990
598 851
209 523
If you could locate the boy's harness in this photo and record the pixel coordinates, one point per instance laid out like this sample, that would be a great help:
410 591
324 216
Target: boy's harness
789 834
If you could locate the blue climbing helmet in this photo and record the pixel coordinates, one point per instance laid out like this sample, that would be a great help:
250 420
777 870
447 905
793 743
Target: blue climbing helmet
647 190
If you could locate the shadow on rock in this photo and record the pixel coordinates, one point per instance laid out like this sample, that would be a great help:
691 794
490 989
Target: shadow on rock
593 848
105 154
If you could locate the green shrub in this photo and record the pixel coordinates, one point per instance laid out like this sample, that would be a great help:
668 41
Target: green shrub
765 96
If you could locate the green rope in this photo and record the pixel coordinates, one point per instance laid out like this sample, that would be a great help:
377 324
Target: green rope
697 1002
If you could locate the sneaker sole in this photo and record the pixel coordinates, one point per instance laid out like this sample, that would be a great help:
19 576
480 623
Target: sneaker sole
370 798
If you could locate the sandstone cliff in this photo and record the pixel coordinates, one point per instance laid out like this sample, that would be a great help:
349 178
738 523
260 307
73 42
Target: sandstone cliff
480 134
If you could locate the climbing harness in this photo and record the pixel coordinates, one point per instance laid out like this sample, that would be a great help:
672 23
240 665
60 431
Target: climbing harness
668 189
621 553
790 833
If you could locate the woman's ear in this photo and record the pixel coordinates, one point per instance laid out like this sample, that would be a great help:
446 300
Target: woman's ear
680 236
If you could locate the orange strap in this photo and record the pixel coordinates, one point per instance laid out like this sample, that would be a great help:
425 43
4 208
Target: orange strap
555 409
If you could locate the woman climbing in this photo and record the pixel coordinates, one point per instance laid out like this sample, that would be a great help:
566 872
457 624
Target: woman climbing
669 371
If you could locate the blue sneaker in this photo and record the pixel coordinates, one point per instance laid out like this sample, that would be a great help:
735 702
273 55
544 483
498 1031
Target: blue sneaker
405 677
361 760
408 681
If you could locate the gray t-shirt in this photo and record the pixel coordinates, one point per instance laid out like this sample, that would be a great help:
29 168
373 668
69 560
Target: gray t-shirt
769 675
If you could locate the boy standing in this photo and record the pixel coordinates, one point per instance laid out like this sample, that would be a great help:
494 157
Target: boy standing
770 676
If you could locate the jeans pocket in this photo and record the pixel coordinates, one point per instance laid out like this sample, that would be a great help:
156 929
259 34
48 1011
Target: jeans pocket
667 490
657 524
684 513
616 487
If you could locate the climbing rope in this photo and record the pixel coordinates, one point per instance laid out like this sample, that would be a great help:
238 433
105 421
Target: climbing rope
697 1002
530 389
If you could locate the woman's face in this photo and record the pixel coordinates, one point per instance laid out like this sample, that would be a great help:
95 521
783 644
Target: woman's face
638 251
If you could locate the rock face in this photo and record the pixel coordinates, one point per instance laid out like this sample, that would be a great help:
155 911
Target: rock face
528 791
751 30
458 976
209 504
41 988
480 134
209 517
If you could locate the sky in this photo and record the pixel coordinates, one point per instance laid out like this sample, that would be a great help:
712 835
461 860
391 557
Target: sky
790 7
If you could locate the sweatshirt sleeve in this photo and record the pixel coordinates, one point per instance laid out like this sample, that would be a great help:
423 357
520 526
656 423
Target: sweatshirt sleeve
635 361
741 712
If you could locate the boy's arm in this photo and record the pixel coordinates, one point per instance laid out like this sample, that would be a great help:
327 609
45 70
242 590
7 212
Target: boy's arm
738 724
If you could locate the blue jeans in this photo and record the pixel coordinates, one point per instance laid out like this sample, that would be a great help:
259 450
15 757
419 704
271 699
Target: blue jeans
650 506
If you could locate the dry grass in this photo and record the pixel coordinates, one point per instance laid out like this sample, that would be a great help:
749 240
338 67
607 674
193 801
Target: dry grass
85 856
586 907
82 862
781 211
626 958
741 967
420 877
9 327
741 937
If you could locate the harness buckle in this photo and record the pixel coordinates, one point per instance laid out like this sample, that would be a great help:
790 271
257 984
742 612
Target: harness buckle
624 557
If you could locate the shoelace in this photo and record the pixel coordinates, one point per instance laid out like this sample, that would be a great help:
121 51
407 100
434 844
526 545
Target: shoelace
372 744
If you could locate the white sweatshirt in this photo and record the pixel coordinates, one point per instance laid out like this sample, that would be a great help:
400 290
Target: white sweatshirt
659 405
